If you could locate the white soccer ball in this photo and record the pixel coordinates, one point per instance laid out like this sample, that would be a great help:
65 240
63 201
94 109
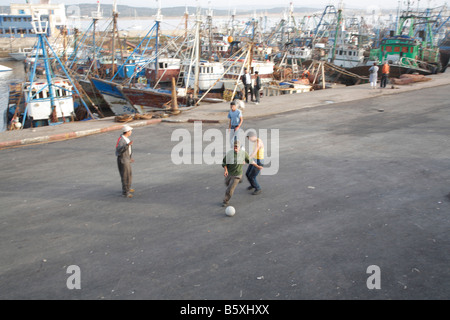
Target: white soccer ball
230 211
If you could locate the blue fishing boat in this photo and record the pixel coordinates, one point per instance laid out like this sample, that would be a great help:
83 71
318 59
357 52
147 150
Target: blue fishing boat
45 98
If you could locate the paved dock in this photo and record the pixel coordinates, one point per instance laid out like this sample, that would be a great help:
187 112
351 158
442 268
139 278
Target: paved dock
361 183
215 113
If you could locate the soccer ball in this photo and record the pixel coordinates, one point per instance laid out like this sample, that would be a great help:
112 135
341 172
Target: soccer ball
230 211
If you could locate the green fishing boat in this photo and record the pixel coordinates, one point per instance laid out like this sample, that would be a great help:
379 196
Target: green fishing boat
408 50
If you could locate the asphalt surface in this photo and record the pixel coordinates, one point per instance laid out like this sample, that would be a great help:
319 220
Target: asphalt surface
359 184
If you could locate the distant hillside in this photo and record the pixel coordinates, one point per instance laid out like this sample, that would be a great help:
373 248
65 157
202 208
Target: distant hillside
128 11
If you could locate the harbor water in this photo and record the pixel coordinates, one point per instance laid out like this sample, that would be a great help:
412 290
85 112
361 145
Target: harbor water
6 77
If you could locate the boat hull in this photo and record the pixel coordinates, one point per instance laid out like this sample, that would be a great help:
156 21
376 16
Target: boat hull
114 98
150 99
164 76
147 98
18 56
395 71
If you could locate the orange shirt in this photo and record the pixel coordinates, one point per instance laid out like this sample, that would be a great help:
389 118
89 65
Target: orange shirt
385 68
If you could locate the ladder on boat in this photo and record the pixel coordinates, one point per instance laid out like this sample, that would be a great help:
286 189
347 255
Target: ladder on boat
15 94
180 79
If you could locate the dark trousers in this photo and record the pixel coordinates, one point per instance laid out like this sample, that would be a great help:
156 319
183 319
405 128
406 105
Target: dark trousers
257 93
231 182
248 88
252 173
125 175
384 80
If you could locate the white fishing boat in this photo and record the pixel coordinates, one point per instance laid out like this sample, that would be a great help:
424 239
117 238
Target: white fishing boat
264 68
41 105
21 55
347 56
208 75
4 68
302 53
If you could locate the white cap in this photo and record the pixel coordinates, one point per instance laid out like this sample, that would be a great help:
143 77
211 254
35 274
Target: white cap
127 128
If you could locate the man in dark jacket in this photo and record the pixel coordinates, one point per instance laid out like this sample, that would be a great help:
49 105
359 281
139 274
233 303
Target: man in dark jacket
190 102
247 81
124 160
257 87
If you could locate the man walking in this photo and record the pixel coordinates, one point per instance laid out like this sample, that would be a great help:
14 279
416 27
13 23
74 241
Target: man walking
236 119
384 74
247 81
124 160
257 87
258 155
232 163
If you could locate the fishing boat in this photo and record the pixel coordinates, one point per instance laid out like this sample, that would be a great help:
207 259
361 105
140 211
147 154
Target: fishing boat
114 97
347 56
21 54
209 74
144 96
300 53
44 99
4 68
444 49
47 104
134 66
264 68
405 52
220 45
166 69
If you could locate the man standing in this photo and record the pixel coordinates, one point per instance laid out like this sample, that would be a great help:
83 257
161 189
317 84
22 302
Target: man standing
373 76
384 74
236 119
232 163
124 160
257 87
247 81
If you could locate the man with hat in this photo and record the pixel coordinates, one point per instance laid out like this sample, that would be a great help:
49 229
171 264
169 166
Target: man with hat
232 163
124 160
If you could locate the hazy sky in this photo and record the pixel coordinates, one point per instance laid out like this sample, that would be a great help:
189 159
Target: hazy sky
231 4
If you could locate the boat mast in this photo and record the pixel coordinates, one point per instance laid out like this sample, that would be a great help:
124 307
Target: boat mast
233 15
48 73
336 35
186 20
158 19
198 21
96 15
115 15
209 20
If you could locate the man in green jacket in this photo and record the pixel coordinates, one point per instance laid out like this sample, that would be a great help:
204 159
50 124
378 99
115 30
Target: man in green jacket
232 163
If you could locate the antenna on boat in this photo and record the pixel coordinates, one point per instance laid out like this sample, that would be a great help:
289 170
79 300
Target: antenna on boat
158 19
96 15
209 20
186 19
